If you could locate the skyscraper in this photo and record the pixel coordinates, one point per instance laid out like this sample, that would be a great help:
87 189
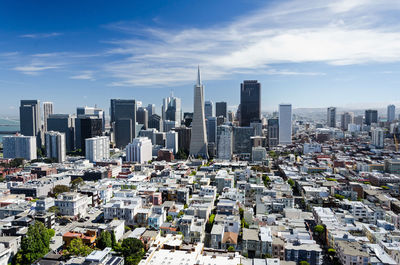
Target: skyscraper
377 137
198 143
151 109
29 116
47 110
371 116
221 109
55 145
331 117
211 124
123 120
250 102
64 123
156 122
391 110
142 117
94 112
208 109
346 119
224 142
87 126
285 124
273 132
171 109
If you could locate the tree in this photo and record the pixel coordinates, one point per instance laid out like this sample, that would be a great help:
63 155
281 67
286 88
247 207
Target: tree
51 232
291 182
60 189
304 263
241 212
211 219
34 245
331 252
16 162
54 209
169 218
113 239
104 240
319 229
77 248
76 183
339 197
231 249
133 250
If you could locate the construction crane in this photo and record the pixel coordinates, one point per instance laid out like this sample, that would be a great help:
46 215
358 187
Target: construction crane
396 143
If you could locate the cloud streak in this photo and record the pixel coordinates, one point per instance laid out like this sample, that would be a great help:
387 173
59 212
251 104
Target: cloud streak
41 35
337 33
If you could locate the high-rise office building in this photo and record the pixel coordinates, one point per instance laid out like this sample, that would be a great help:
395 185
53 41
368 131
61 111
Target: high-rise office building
188 118
211 125
97 148
242 141
149 133
171 109
87 127
285 124
224 142
171 141
55 145
371 116
47 110
346 119
231 116
151 109
221 109
63 123
391 113
378 137
140 150
208 109
29 116
184 137
198 143
169 125
156 122
250 102
142 117
123 120
273 132
331 117
19 146
92 111
359 120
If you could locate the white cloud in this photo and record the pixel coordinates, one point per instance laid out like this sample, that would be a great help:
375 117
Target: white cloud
84 75
342 32
41 35
35 68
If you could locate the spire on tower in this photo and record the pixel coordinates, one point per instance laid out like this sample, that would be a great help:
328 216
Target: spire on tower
198 76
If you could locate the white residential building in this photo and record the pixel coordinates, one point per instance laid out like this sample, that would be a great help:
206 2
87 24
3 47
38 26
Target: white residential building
140 150
285 124
19 146
72 204
55 145
378 137
97 148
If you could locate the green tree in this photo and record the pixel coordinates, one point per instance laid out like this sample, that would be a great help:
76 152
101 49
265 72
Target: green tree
304 263
60 189
133 250
319 229
169 218
54 209
34 245
76 183
331 252
211 219
231 249
104 240
291 182
77 248
16 162
339 197
51 232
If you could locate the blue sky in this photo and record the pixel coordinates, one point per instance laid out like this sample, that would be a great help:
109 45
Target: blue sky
310 53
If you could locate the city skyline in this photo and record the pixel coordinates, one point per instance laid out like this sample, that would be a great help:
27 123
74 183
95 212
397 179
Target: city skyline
350 52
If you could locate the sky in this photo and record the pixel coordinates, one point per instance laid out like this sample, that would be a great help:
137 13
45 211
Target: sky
311 53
